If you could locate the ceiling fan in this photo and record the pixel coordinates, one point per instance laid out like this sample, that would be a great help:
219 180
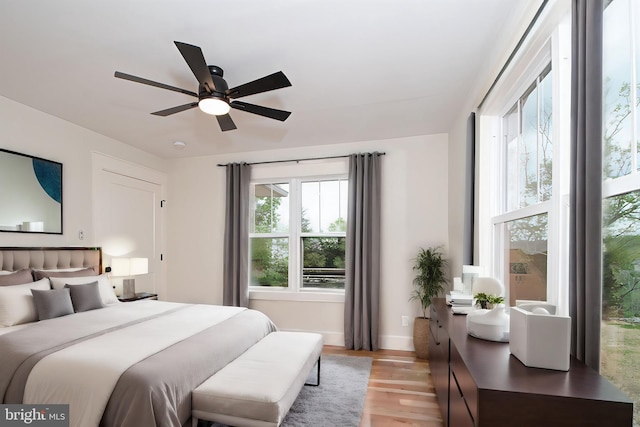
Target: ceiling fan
214 96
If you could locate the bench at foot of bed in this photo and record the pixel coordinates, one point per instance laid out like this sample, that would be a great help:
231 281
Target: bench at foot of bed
258 388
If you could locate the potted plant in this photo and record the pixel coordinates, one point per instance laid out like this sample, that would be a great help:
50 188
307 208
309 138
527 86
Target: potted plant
487 301
430 268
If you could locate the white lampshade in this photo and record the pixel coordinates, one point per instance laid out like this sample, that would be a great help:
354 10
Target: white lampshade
139 266
214 106
120 267
124 267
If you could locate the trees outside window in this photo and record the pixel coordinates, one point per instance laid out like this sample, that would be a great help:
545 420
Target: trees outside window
298 234
620 340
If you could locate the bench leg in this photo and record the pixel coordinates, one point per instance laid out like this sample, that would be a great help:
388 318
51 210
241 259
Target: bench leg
317 375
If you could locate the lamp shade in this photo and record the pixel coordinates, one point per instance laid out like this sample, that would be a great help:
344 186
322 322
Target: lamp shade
139 266
120 267
123 267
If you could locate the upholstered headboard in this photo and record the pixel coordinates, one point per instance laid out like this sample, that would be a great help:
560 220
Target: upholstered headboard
17 258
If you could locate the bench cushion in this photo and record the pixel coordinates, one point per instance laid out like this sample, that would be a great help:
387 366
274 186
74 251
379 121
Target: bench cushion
259 387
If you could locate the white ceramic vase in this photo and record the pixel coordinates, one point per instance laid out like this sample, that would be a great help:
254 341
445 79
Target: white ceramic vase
492 325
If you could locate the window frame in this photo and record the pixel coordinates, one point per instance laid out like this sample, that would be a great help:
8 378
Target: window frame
294 291
553 51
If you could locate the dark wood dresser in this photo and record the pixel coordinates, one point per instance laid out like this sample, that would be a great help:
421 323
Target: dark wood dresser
480 384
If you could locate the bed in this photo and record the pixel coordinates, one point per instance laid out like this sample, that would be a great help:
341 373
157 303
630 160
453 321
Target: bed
115 364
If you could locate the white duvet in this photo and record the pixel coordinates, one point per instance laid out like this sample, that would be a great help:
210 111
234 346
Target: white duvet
84 375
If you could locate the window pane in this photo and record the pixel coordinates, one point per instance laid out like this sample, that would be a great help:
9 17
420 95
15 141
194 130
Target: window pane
271 208
545 147
635 12
620 340
324 206
344 198
528 151
310 221
528 139
269 261
527 239
616 92
323 262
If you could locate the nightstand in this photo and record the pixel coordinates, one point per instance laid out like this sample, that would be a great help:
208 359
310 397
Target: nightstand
139 296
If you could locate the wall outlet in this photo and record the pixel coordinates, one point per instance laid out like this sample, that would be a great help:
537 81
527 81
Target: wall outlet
80 235
405 320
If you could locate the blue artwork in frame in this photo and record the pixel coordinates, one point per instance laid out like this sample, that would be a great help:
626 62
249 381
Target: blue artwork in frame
31 194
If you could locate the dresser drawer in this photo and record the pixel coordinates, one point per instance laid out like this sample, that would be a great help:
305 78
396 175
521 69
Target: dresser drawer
463 381
459 414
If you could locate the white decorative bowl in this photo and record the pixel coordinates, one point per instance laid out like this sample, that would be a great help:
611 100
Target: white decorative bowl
492 325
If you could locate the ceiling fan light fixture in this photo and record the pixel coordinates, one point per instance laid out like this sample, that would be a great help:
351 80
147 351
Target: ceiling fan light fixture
214 106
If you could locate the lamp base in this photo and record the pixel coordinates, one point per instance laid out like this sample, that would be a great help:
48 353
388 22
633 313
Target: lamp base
129 288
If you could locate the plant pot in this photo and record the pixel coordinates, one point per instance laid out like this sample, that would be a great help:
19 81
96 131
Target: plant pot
421 337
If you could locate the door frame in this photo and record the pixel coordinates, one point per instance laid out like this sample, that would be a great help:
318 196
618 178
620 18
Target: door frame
102 163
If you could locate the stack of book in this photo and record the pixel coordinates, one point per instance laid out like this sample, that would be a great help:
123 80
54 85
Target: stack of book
460 302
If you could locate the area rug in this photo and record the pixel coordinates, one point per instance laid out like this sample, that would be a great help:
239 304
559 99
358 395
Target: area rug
339 398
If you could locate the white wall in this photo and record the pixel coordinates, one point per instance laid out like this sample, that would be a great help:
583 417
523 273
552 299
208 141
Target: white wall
414 214
25 130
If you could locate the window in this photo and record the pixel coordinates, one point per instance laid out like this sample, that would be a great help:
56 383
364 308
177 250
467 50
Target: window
298 234
521 226
620 338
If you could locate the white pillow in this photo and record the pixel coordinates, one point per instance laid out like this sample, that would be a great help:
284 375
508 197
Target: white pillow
5 272
16 303
106 290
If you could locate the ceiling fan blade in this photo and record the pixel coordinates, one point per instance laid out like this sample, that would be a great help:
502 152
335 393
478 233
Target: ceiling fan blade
174 110
226 123
272 113
271 82
195 60
136 79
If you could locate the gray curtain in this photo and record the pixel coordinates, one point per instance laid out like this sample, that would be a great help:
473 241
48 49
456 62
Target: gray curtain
469 193
236 236
362 287
585 253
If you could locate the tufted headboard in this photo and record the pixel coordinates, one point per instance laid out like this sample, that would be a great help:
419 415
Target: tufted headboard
17 258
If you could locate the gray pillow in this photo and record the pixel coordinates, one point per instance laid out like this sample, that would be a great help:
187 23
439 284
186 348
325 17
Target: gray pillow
18 278
85 297
52 303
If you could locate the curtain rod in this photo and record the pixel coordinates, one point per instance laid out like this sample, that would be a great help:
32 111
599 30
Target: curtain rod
515 50
295 160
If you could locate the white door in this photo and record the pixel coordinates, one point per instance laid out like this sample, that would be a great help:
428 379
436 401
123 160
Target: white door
128 221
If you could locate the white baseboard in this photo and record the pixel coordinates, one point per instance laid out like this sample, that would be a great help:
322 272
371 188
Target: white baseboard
387 342
396 342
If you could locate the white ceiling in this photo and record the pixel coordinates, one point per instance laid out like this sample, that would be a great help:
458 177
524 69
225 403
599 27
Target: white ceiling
361 69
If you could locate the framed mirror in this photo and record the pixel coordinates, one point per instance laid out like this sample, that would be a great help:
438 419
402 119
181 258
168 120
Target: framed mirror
30 194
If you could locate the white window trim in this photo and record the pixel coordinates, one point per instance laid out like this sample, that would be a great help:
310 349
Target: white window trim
295 292
491 209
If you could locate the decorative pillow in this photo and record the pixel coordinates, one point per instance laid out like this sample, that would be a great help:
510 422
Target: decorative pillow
52 303
16 278
104 284
85 297
66 272
16 303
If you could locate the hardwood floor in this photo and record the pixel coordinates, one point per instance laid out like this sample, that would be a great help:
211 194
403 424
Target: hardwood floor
400 391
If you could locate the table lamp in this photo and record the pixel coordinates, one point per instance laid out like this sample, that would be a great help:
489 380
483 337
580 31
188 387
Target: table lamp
128 267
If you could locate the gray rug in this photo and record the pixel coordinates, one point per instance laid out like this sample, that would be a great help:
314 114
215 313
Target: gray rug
339 399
